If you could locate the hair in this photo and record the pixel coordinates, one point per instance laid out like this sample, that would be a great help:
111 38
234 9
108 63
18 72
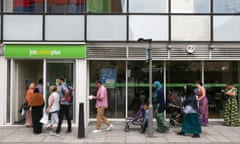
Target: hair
199 82
99 82
53 88
40 81
62 79
36 90
31 85
229 83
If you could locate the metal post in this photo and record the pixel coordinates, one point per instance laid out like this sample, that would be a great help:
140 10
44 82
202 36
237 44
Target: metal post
150 107
150 118
81 128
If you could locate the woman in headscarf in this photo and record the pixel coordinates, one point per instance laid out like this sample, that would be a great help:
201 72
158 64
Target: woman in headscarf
159 101
191 123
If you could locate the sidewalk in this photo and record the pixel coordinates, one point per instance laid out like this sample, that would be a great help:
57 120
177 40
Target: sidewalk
213 134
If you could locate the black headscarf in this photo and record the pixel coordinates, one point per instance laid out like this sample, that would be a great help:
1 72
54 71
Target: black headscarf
190 98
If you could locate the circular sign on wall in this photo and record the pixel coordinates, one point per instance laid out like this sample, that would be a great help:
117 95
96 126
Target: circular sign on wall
190 49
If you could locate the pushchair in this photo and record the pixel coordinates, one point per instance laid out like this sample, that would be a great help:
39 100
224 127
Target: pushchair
176 103
137 119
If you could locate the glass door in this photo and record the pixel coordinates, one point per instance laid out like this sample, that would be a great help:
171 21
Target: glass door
60 69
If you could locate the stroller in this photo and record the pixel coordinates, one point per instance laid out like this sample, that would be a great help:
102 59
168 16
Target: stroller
137 119
176 103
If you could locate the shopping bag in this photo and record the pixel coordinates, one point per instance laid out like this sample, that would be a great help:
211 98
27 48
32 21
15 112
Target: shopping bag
44 119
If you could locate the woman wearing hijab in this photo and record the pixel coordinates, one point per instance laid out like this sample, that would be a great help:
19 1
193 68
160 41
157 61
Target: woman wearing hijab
191 123
158 99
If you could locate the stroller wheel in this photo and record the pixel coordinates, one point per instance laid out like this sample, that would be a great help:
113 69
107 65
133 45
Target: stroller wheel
172 123
126 128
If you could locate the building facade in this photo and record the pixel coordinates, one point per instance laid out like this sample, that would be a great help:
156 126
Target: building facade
87 40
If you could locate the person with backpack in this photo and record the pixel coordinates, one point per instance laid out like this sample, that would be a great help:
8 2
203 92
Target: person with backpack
65 106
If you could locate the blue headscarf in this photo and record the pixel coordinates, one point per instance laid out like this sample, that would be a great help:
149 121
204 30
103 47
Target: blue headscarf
158 86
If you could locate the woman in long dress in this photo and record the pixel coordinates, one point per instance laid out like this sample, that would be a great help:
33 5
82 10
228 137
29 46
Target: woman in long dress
203 103
191 123
231 117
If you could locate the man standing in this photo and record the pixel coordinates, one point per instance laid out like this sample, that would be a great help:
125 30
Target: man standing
101 104
64 107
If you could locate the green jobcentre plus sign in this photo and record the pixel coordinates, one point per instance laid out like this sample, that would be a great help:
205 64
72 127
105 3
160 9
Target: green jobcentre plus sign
45 51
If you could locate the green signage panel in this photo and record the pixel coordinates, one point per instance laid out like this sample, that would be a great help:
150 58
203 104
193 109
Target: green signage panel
45 51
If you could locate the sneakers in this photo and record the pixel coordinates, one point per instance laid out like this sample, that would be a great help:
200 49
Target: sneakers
53 134
96 131
109 127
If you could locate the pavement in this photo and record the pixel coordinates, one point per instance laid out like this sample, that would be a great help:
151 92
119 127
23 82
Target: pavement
215 133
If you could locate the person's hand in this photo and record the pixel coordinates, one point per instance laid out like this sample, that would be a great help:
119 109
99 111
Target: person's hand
47 110
222 91
94 97
62 99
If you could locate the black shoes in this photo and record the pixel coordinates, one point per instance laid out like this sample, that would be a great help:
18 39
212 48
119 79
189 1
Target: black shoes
181 133
196 136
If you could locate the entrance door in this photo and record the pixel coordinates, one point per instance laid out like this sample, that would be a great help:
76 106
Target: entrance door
24 72
60 69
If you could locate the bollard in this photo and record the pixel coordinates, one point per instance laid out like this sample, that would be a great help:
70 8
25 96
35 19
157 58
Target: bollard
81 129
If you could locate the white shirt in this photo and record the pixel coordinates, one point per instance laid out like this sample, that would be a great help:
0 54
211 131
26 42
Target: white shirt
56 105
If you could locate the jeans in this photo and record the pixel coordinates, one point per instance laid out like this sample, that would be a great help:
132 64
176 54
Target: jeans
64 110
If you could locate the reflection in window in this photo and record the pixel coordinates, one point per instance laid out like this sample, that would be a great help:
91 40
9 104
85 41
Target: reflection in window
106 6
226 6
190 28
66 6
147 6
191 6
154 27
226 28
24 6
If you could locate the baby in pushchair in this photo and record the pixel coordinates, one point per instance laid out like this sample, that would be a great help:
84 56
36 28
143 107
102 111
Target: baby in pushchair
176 103
137 119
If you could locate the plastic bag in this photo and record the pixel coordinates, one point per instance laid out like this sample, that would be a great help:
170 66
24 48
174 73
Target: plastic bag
44 119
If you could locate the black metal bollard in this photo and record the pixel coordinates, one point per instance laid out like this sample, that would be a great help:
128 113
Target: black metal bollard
81 128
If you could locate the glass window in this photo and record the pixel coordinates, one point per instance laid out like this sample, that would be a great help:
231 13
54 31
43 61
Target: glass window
148 6
226 28
190 6
112 75
178 75
24 6
22 27
56 70
226 6
191 28
66 6
64 27
154 27
216 75
138 83
106 28
106 6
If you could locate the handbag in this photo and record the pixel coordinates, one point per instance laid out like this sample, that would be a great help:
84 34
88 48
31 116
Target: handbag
25 106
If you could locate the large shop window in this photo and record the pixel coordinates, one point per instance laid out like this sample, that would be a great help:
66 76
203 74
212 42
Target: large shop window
106 6
24 6
226 6
216 75
148 6
138 83
190 6
178 75
112 74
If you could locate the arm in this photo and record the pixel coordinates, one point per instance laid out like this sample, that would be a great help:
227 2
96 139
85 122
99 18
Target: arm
203 94
231 93
50 104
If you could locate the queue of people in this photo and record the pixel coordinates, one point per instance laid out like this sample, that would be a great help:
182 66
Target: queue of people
57 107
195 108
